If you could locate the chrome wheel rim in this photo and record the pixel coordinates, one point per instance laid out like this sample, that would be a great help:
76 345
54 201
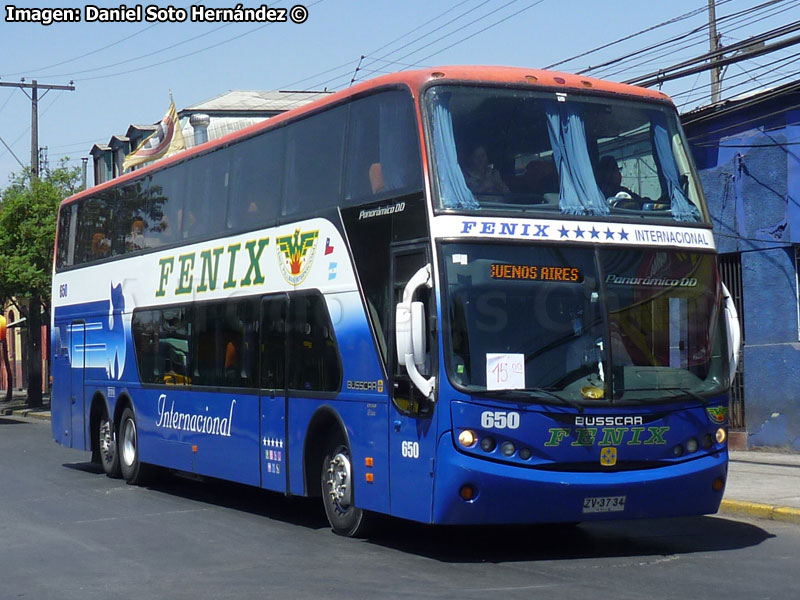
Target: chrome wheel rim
129 442
108 447
340 489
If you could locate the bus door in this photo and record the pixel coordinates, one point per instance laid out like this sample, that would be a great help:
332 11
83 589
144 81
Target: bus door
61 392
412 428
77 337
274 475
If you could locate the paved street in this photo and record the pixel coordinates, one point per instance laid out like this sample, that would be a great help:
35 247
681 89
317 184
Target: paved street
67 531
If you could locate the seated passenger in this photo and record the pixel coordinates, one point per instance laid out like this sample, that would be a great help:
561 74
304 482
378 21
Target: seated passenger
480 176
136 239
101 245
609 179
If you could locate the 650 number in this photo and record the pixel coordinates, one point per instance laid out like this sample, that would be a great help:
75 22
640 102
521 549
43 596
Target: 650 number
495 419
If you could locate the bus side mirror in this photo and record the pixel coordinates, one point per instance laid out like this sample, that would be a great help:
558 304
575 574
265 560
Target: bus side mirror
733 331
411 338
411 332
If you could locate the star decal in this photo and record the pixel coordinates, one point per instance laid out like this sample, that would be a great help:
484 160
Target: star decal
564 232
595 233
578 232
609 234
623 235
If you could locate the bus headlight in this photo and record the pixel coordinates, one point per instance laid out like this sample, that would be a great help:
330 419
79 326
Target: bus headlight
722 435
467 438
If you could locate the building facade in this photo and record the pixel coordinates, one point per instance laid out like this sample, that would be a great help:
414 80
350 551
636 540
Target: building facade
748 153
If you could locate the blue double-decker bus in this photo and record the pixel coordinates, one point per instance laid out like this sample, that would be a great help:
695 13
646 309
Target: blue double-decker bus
461 295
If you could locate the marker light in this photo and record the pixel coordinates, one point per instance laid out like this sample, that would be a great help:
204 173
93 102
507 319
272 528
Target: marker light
525 453
708 441
718 484
692 445
488 444
677 450
508 449
467 438
467 492
722 435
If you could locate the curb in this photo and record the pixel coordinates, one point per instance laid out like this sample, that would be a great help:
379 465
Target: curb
760 511
28 413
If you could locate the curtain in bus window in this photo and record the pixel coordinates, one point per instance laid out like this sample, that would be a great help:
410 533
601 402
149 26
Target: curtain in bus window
453 188
579 194
682 209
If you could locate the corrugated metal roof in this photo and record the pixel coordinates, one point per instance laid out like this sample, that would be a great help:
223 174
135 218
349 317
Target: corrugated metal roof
255 100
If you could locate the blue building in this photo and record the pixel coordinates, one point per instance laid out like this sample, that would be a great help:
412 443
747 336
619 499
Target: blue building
748 153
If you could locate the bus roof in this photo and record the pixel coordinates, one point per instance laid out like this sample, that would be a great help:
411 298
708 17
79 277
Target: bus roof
416 80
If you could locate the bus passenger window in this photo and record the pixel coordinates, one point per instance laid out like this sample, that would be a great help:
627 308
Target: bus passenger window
382 148
255 185
314 362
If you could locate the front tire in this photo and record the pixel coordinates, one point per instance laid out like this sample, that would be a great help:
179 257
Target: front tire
337 491
107 447
133 470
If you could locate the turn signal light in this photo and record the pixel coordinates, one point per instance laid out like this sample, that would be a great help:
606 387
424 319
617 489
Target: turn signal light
718 485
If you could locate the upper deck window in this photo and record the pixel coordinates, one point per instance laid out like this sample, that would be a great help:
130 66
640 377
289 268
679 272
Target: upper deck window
565 153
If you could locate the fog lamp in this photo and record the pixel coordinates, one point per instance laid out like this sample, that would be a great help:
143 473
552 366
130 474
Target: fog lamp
677 450
488 444
708 441
508 449
722 435
467 492
692 445
525 453
467 438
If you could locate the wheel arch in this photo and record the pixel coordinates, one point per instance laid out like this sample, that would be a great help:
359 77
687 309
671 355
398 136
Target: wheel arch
325 422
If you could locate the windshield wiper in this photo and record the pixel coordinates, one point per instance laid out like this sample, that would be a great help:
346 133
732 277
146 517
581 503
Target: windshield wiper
679 391
526 393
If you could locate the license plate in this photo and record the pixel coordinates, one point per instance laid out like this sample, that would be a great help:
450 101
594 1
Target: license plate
604 504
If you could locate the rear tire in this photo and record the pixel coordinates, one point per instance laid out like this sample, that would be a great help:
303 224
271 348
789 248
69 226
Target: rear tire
337 491
133 470
107 446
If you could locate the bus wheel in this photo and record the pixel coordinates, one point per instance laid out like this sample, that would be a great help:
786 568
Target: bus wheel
337 491
107 447
132 468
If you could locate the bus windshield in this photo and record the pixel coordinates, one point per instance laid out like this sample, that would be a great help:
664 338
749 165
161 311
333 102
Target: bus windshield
589 325
562 153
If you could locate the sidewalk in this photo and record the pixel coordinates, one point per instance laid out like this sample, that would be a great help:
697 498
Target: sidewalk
18 406
761 485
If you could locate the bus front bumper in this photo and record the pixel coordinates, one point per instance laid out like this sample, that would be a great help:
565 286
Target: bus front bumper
507 494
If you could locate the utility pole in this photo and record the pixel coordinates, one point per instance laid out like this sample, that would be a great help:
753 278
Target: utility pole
713 42
35 86
33 346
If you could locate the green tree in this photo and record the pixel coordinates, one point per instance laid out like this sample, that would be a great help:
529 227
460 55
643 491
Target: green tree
28 215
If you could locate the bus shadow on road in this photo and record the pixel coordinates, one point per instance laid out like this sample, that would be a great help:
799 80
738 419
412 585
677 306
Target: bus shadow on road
657 538
651 539
303 512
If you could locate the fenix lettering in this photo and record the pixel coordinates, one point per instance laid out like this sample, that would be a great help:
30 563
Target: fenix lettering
505 228
207 268
610 436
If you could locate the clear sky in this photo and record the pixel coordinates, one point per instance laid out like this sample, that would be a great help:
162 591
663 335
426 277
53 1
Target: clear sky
124 72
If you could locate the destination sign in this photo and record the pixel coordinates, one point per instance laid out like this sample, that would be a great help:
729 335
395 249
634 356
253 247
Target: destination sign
536 273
